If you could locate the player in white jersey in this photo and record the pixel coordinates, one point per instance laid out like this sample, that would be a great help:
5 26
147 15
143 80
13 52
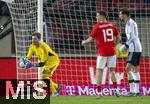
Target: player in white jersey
133 45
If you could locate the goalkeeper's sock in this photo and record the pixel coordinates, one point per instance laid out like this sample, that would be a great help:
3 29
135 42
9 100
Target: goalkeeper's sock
131 84
52 87
55 85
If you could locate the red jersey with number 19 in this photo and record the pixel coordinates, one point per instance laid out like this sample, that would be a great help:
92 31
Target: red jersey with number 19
104 33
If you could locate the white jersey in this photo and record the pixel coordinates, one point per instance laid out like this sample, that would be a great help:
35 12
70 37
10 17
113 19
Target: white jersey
133 41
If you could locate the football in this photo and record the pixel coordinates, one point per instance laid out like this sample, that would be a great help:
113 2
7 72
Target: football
21 64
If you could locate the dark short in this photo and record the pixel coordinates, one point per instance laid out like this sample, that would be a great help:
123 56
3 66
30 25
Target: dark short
134 58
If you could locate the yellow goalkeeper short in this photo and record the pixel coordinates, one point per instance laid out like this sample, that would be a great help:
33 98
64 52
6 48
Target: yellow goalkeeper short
49 69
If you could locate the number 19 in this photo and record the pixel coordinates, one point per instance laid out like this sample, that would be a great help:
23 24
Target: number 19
106 33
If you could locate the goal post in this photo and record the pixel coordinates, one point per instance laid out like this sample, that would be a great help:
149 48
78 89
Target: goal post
25 21
40 25
40 17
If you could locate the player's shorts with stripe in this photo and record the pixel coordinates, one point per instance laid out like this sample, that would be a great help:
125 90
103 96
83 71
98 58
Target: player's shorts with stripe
103 60
134 58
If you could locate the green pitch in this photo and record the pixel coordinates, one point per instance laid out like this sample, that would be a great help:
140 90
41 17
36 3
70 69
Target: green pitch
81 100
102 100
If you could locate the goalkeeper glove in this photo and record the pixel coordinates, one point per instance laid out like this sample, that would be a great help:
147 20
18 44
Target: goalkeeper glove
29 65
22 62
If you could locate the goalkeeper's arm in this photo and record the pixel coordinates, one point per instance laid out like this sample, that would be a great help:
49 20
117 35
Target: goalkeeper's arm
29 64
40 64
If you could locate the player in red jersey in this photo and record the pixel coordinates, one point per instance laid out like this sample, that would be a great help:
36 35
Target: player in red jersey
107 37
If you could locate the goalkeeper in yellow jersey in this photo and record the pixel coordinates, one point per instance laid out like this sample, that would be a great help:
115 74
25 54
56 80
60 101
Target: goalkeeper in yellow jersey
49 60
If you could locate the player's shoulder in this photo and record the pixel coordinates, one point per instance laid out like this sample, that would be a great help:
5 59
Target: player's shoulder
43 43
131 22
95 25
107 24
32 46
104 24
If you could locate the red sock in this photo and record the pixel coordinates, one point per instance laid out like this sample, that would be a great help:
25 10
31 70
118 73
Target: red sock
99 88
115 84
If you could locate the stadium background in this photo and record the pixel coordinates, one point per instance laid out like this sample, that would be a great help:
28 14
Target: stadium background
139 9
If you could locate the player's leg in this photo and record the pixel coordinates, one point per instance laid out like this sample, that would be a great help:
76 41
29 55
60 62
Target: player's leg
137 56
57 86
137 81
46 75
101 63
112 65
114 80
129 70
99 80
130 74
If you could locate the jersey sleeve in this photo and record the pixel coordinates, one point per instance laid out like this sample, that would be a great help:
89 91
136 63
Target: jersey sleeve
94 31
30 52
131 34
44 53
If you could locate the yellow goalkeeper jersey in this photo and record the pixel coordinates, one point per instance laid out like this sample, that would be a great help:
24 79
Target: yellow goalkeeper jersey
44 53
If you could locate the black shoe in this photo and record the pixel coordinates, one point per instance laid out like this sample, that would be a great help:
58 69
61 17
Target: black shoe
116 93
137 94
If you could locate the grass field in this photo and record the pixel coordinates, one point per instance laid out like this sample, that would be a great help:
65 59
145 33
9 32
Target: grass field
102 100
80 100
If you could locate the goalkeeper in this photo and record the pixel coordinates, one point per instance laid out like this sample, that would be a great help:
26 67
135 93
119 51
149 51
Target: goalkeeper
49 60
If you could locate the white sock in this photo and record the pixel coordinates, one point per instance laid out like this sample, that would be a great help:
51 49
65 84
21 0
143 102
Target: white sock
136 88
132 85
131 75
137 81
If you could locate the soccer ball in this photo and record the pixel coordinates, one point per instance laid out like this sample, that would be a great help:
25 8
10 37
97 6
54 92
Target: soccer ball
21 64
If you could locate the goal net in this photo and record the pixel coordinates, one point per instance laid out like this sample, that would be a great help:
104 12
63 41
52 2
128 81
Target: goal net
24 18
66 23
